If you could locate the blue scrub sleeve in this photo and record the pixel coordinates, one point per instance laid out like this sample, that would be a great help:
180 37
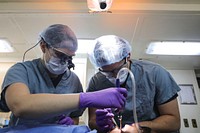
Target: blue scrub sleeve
166 86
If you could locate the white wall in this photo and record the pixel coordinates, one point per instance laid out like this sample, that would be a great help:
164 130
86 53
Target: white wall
188 111
81 70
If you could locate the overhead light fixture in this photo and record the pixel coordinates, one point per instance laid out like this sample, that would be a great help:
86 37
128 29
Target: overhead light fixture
85 45
173 48
5 46
99 5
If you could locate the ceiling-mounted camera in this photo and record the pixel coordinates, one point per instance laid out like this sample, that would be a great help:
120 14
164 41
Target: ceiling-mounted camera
102 4
99 5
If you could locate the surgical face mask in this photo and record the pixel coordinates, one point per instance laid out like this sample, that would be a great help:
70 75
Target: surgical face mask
122 77
54 66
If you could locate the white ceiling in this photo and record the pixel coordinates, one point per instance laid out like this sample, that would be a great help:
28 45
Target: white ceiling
138 21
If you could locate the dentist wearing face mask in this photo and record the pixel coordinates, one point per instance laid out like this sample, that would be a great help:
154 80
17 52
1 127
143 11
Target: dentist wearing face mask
45 91
156 91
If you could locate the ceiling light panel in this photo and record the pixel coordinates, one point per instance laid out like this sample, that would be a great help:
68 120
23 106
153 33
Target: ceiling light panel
5 46
173 48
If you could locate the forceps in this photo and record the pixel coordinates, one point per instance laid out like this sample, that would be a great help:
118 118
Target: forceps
113 120
120 121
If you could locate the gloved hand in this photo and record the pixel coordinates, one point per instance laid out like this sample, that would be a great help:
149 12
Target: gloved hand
104 119
107 98
65 120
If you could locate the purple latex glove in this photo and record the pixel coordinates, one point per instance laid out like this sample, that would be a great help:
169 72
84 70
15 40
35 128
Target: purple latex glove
65 120
107 98
104 119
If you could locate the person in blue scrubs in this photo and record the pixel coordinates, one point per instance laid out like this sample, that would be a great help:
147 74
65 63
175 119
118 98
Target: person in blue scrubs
156 90
45 90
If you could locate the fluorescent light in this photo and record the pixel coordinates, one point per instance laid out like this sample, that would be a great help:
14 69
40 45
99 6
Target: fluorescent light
5 46
84 46
174 48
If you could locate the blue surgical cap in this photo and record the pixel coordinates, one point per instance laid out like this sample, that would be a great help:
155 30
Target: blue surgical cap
58 35
109 49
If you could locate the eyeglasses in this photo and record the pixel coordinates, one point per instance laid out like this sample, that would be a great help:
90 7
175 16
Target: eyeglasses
114 71
64 58
60 54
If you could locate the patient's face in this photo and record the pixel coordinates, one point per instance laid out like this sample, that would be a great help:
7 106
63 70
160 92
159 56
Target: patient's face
125 129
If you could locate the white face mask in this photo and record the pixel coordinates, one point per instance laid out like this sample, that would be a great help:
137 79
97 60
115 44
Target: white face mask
112 79
122 77
55 67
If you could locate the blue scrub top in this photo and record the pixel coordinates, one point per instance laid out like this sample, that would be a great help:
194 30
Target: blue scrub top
154 86
34 75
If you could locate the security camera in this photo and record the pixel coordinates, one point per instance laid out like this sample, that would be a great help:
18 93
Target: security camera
99 5
102 4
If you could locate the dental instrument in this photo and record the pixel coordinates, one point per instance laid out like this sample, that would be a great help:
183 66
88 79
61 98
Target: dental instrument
121 73
113 120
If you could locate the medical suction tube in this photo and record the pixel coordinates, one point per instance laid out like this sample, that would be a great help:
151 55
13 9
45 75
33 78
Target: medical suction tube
126 70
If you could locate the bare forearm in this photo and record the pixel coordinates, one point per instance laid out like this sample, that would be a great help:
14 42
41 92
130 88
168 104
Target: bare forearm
44 105
165 123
